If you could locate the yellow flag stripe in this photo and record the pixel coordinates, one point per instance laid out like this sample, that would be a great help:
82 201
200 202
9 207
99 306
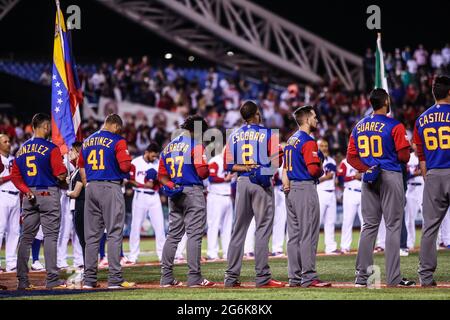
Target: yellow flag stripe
58 56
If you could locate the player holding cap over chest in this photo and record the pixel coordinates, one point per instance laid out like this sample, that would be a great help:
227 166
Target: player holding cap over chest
254 152
432 137
182 169
104 162
37 172
378 146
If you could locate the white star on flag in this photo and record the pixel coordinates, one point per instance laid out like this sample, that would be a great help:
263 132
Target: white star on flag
57 109
59 93
57 84
54 77
59 101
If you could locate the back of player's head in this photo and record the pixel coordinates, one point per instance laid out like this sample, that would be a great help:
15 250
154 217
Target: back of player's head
39 119
378 98
190 123
302 113
441 87
77 145
248 110
153 147
114 119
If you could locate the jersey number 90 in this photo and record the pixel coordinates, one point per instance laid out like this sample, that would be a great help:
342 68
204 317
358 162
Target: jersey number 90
372 145
437 138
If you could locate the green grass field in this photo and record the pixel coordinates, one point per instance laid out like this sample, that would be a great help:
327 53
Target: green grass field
330 268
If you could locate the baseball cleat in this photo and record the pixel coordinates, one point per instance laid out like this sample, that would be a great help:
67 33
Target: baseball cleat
103 263
2 287
204 284
335 252
174 283
37 266
236 284
13 269
294 284
91 286
273 284
378 250
429 285
249 255
27 288
179 260
278 254
406 283
345 251
125 262
212 259
319 284
123 285
404 252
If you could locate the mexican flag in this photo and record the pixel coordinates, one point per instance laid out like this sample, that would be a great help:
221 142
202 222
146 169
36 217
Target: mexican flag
380 75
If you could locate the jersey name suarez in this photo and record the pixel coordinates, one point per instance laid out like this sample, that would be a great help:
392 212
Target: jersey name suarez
99 156
34 162
293 158
249 145
432 131
178 161
374 142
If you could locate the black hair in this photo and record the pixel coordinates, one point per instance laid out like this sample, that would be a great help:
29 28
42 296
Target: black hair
77 144
441 87
189 123
248 109
301 113
39 119
114 119
153 147
378 98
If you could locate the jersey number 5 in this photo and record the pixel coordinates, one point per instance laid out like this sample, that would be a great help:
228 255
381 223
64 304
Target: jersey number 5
32 169
370 146
442 140
94 161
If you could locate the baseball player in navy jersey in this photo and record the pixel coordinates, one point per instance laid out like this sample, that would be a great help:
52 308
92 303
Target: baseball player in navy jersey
37 171
279 220
432 138
414 197
350 178
302 169
326 189
104 162
182 167
146 201
219 208
378 145
254 152
9 206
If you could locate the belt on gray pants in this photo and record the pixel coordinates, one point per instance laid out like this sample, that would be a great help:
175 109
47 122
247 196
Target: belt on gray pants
118 182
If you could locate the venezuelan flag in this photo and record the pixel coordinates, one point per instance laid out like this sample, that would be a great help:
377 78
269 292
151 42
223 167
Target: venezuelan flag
66 90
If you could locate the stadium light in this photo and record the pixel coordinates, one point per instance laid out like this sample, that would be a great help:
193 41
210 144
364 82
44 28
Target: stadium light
191 58
230 53
168 56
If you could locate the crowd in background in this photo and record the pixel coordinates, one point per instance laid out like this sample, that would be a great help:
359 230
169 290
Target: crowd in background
410 74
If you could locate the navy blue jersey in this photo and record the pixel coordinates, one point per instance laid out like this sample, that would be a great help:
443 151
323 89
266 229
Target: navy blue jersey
432 136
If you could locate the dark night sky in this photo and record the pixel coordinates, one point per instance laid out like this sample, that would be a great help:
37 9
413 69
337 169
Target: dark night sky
26 32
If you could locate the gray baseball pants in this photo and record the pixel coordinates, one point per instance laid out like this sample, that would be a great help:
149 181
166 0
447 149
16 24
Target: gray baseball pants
46 212
187 213
104 207
436 200
386 197
303 221
252 200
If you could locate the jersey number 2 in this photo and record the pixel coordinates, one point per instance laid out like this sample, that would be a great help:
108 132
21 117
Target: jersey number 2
94 161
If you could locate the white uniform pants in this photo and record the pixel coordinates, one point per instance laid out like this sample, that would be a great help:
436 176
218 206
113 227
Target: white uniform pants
249 245
146 205
328 218
351 203
444 231
279 221
219 218
9 226
414 196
